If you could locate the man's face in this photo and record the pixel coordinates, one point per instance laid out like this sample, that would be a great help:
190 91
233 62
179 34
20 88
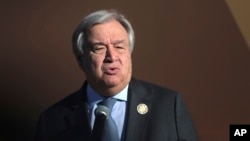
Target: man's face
107 60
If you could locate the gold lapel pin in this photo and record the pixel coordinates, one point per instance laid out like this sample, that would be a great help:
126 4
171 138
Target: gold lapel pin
142 108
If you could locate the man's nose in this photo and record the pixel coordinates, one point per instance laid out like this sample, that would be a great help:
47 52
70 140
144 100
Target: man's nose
110 55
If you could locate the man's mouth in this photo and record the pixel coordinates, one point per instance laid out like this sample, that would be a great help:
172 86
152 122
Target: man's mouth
110 70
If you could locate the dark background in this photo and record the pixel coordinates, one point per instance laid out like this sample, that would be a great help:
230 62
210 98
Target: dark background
194 47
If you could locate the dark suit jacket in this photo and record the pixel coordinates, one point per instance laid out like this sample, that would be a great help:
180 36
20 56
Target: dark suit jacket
167 118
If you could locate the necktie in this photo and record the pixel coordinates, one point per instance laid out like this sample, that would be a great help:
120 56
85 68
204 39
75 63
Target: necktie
110 132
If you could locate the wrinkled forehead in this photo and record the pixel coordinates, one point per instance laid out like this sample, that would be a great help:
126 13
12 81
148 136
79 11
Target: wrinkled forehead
109 29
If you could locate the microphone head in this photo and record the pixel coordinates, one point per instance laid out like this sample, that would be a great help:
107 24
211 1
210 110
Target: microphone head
102 111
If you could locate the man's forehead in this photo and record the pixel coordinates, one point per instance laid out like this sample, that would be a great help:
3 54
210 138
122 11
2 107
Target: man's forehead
114 42
116 31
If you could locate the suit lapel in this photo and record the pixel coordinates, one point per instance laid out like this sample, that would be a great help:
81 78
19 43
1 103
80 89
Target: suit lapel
78 119
135 121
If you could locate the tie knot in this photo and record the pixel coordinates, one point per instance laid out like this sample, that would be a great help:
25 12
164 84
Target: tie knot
109 103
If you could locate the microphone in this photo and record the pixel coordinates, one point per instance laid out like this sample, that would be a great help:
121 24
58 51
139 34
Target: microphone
102 111
101 114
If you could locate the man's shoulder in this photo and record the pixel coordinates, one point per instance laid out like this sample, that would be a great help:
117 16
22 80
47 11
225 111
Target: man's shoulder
68 103
153 88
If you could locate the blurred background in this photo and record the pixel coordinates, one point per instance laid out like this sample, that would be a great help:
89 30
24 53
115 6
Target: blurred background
199 48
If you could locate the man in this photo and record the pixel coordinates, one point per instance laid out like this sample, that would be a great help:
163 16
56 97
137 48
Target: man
103 44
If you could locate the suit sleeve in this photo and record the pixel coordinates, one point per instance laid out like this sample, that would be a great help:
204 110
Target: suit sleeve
185 127
41 129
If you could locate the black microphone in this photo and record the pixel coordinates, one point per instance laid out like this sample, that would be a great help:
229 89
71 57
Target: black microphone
101 114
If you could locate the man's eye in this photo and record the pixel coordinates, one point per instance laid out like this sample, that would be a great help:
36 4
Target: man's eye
119 47
99 49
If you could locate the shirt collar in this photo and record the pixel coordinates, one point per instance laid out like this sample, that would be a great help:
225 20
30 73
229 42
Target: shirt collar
94 97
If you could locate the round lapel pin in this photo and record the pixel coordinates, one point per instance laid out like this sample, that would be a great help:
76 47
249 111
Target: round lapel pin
142 108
